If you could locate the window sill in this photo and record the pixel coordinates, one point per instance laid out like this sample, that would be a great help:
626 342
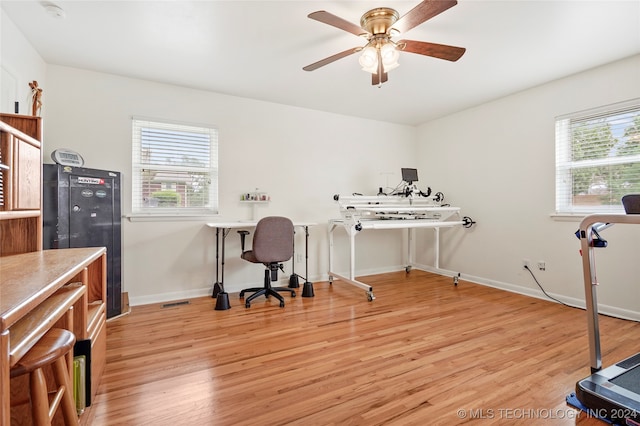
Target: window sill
169 217
578 217
568 217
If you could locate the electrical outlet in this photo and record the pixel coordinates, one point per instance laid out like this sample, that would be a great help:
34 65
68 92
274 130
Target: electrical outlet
542 266
525 263
299 258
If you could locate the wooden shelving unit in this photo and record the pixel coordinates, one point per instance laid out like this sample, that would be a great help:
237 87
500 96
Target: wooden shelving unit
20 209
40 289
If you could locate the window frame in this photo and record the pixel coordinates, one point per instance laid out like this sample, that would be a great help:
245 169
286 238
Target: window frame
138 210
565 166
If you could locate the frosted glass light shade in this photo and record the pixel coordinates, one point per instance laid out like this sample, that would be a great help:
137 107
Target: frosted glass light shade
369 59
390 56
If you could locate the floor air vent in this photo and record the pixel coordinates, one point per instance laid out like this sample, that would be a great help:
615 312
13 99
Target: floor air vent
172 304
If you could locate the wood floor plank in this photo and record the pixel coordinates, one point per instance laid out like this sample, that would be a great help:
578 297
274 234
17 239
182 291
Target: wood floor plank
423 352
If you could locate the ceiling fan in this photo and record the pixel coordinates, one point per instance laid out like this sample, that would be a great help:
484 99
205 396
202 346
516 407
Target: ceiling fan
378 26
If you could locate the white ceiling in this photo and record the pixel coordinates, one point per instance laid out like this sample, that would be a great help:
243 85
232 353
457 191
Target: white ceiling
256 49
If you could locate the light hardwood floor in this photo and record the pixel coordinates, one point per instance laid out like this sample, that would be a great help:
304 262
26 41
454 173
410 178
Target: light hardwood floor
424 352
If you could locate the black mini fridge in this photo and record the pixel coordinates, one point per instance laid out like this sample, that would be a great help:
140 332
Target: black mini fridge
81 208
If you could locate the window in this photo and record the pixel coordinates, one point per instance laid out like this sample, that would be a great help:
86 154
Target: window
597 158
175 169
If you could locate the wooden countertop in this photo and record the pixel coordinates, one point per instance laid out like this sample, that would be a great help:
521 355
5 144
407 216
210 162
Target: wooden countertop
28 279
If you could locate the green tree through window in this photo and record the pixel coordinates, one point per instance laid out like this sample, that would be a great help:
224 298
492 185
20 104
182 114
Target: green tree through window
597 158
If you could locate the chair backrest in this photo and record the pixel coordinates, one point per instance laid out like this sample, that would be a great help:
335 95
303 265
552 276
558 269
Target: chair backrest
273 239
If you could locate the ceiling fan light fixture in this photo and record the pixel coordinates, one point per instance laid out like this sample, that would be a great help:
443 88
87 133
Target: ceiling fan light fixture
369 58
389 54
372 69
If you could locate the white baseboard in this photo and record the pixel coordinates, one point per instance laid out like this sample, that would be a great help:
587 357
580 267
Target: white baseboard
169 297
538 294
577 303
207 291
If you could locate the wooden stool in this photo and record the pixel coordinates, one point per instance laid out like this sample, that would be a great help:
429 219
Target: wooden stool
50 350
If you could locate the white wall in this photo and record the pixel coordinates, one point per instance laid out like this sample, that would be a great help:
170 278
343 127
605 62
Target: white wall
300 157
497 162
19 65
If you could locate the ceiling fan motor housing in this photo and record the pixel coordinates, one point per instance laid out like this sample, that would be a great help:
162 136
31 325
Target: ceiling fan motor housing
379 21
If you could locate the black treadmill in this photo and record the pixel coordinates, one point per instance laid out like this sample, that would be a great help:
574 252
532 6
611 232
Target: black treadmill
613 392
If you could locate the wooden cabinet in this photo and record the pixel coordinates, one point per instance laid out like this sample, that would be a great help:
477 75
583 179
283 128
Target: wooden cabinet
63 288
27 124
21 184
40 289
27 164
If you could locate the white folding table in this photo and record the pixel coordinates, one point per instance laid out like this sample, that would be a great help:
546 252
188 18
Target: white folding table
222 230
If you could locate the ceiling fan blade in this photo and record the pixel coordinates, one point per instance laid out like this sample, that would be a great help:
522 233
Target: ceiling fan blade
381 76
377 79
440 51
331 58
335 21
421 13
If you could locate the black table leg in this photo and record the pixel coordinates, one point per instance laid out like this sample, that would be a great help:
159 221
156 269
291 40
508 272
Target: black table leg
307 290
222 298
217 286
293 279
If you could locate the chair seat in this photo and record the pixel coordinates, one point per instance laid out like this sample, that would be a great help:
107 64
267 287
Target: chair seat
249 256
54 344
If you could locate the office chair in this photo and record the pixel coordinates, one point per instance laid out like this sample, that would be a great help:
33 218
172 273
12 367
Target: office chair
272 244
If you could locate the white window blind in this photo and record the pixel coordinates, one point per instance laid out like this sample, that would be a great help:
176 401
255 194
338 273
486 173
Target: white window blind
175 168
597 158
